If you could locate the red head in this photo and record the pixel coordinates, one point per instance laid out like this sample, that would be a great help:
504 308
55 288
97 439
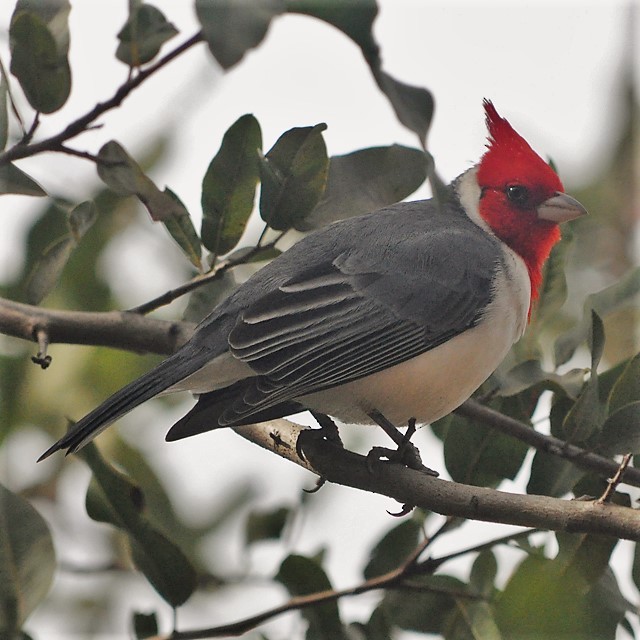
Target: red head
522 198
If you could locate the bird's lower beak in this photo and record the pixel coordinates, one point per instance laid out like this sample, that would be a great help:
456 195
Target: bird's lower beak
561 208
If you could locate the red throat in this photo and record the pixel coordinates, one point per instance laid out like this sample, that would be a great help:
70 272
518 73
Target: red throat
510 161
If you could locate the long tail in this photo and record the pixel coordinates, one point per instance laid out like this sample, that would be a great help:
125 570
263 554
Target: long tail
166 374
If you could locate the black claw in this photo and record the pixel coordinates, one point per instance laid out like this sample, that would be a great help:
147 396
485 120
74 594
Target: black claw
320 482
405 511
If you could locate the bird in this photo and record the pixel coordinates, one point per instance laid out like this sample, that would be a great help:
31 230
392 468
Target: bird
393 317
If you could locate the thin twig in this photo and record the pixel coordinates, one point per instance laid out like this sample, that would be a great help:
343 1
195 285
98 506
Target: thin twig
80 125
615 481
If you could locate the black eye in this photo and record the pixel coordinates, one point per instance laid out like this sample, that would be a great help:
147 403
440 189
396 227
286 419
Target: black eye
518 194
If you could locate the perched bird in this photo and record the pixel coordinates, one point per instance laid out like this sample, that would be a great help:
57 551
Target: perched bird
399 314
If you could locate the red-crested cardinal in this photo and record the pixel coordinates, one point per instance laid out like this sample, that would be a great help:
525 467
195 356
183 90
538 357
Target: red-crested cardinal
401 313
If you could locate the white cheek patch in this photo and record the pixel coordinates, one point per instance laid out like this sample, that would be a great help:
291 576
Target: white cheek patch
469 193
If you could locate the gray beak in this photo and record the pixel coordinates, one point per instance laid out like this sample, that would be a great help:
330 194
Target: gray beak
561 208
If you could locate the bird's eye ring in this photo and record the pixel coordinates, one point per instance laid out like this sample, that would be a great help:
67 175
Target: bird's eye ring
518 194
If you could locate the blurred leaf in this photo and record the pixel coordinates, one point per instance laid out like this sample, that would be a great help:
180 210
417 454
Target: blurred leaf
232 27
47 271
114 498
301 576
49 266
627 387
39 39
614 297
530 373
483 573
552 476
294 175
180 227
14 180
476 454
426 611
27 561
376 628
145 625
587 414
367 180
265 525
413 105
205 298
229 186
4 112
81 219
621 431
393 549
143 34
560 598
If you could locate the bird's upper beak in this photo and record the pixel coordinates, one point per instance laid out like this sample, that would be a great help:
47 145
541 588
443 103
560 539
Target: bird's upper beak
561 208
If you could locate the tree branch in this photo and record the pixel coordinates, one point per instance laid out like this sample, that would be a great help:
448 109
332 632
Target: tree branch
55 143
118 329
582 458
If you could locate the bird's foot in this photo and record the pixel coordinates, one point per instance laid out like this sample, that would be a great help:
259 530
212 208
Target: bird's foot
406 453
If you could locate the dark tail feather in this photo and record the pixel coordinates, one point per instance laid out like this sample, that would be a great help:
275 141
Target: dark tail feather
166 374
210 406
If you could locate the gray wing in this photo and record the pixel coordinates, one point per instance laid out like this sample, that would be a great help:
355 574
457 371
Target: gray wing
376 303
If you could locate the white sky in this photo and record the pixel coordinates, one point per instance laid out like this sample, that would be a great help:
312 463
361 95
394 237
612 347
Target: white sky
552 68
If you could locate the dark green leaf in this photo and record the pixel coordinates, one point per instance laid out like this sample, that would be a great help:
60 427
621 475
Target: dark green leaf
627 387
114 498
142 36
424 611
294 175
204 299
476 454
603 302
232 27
552 476
145 625
393 549
265 525
48 269
367 180
39 39
27 561
180 227
14 180
483 574
229 186
621 430
301 576
530 373
413 105
587 414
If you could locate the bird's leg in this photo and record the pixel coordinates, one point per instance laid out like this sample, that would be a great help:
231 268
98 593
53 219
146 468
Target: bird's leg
406 453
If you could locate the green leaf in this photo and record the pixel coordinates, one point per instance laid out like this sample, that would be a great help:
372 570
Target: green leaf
610 299
14 180
413 105
47 271
530 373
627 387
145 625
301 576
427 610
587 414
393 549
4 112
367 180
39 39
476 454
232 27
205 298
621 430
483 573
229 186
81 219
114 498
143 34
552 476
180 227
27 561
294 175
265 525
